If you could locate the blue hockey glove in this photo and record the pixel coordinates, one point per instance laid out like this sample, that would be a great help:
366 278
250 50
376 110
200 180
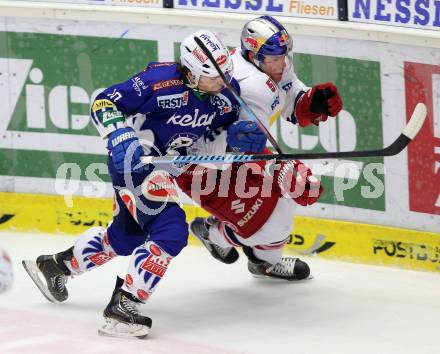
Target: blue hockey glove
245 136
123 144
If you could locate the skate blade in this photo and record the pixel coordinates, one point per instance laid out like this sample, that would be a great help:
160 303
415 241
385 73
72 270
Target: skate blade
115 328
33 271
275 279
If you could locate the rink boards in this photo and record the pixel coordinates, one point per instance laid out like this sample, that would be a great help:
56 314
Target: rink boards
331 239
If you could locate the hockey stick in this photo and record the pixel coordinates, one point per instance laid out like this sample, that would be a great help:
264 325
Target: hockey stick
412 128
243 104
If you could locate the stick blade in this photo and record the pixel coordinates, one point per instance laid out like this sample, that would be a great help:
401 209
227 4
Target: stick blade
416 122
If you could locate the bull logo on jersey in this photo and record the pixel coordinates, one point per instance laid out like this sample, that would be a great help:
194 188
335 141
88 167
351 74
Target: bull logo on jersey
222 102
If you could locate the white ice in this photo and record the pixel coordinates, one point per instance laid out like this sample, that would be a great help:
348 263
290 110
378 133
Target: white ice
203 306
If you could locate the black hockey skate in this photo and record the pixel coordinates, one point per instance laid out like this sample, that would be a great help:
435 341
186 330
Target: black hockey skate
200 228
54 272
288 268
122 319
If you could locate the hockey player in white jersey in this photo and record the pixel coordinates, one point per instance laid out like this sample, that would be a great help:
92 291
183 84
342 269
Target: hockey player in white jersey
269 85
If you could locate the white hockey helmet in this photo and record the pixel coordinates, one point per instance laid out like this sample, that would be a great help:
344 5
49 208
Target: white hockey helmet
193 57
265 36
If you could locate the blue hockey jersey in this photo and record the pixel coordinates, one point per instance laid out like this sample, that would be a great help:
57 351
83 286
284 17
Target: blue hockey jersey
166 115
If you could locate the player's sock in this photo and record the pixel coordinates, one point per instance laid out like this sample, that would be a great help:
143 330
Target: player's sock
122 318
288 268
91 249
148 265
200 227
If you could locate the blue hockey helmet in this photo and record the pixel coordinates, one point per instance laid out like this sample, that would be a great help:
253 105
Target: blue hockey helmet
265 36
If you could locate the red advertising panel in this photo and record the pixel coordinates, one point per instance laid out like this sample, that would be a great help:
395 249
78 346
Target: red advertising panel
422 84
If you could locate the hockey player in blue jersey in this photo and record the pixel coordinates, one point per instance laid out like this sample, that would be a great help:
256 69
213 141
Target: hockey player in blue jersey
161 110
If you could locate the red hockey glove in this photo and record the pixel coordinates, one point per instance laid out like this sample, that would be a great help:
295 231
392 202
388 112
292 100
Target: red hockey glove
297 181
317 104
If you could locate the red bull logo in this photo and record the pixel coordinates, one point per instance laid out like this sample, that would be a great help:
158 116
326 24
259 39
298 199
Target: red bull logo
284 39
252 42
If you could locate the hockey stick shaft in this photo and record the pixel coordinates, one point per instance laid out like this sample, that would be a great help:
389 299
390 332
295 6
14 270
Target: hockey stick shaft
242 103
412 128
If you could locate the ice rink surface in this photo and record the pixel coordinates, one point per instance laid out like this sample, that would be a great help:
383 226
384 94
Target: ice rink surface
203 306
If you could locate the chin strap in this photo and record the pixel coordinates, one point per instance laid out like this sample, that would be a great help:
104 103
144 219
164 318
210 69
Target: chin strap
200 94
256 63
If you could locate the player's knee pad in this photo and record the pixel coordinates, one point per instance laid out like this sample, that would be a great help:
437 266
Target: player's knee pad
170 230
177 244
91 249
148 265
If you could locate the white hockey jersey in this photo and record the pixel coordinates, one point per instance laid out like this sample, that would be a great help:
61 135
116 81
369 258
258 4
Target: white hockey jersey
266 99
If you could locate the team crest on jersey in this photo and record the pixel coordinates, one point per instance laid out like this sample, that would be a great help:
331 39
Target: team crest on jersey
179 142
173 101
222 103
159 186
167 83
